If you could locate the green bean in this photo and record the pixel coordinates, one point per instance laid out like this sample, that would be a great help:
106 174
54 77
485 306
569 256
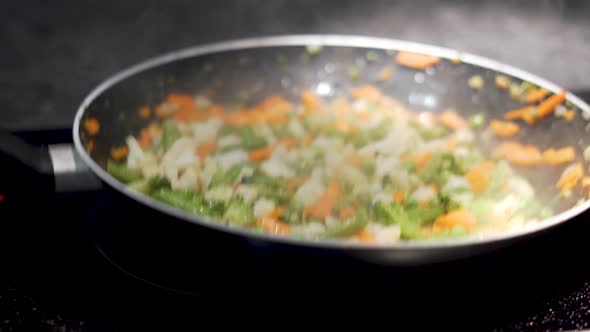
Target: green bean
123 173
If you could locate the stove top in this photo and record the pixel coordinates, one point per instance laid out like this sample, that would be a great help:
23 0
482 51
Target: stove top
93 262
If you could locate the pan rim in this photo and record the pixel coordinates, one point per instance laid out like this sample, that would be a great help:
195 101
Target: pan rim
356 41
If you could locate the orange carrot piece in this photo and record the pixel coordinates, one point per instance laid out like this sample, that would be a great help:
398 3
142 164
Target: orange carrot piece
353 161
306 139
289 143
119 153
570 115
323 207
347 213
586 181
144 112
310 101
205 149
479 176
545 108
181 100
560 156
385 74
261 153
419 159
365 236
416 60
274 118
145 138
518 113
570 177
519 154
433 186
460 217
504 128
271 223
368 92
451 120
399 196
548 106
92 126
344 126
536 95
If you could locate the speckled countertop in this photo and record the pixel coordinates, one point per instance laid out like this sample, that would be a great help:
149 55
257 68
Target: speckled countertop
54 54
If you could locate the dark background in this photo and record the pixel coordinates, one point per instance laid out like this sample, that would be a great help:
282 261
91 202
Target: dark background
55 52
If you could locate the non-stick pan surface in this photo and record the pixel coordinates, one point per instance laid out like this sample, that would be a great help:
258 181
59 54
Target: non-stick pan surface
245 71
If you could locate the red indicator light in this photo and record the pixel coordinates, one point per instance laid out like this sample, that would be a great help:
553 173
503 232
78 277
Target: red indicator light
1 198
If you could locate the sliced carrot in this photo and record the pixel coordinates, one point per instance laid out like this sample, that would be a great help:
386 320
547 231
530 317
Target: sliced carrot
181 100
460 217
344 126
416 60
570 115
323 207
353 160
145 138
306 139
451 120
271 223
570 177
399 196
275 103
119 153
385 74
433 186
347 213
310 101
545 108
367 92
479 176
561 156
144 112
289 143
261 153
517 113
205 149
519 154
92 126
504 128
365 236
164 110
586 181
419 159
536 95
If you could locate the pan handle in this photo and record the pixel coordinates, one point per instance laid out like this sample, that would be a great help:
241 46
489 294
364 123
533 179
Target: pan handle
54 168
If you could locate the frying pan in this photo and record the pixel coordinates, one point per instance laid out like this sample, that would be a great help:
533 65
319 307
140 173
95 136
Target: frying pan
245 71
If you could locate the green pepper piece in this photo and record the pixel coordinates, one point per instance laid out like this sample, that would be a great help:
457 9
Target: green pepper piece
123 173
170 134
239 213
346 228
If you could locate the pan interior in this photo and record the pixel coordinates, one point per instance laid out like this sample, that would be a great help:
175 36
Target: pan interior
243 77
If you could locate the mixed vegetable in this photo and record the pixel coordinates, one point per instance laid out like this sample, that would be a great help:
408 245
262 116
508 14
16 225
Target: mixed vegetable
362 169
